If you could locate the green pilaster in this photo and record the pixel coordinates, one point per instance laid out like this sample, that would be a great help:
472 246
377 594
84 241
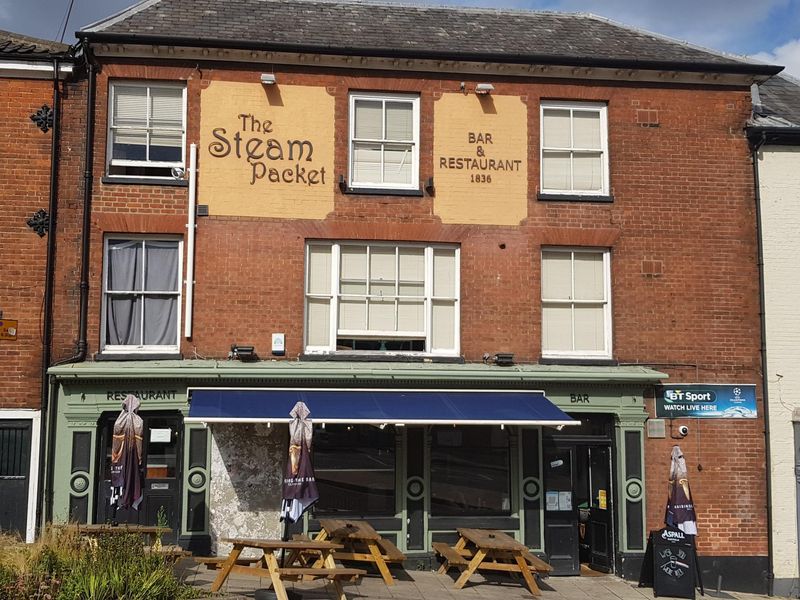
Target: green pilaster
80 405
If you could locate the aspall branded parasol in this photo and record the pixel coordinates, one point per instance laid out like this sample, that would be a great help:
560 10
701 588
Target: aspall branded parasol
126 457
299 484
680 507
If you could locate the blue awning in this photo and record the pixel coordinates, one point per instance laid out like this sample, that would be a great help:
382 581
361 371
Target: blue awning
377 406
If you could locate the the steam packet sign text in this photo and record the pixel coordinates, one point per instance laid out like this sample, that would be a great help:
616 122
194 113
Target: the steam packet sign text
271 158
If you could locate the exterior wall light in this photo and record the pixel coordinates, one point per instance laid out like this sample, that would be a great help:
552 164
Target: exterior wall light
268 78
504 359
484 88
242 352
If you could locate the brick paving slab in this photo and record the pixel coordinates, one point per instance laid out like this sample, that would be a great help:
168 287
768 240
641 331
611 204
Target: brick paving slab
428 585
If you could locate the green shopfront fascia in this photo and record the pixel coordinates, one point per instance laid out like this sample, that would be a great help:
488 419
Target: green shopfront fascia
575 494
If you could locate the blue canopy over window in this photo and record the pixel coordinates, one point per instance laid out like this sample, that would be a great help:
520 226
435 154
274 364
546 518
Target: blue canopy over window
379 406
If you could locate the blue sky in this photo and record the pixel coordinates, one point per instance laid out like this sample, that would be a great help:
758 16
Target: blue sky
768 30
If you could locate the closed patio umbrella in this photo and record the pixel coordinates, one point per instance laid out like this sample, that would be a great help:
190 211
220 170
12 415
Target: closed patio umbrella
680 507
299 484
126 457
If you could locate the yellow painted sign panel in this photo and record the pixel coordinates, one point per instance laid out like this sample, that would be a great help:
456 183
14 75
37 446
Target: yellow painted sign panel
8 329
480 146
266 151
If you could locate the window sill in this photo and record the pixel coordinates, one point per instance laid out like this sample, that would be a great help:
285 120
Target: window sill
376 357
381 192
168 181
137 356
573 198
580 362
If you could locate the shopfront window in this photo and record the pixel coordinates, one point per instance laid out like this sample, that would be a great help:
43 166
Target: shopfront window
355 470
470 471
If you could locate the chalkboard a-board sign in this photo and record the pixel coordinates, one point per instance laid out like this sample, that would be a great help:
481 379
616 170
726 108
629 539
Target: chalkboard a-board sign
670 564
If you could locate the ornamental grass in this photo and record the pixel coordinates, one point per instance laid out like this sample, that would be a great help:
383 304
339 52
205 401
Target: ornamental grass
62 565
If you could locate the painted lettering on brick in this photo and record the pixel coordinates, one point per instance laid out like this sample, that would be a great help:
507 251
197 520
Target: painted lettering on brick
480 165
271 159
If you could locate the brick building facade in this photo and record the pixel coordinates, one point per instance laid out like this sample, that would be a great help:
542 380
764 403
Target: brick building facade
27 127
376 219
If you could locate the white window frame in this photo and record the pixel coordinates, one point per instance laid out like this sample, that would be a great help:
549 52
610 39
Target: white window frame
595 107
606 353
110 127
334 331
384 97
145 348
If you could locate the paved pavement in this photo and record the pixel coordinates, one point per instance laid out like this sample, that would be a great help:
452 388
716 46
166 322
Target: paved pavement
428 585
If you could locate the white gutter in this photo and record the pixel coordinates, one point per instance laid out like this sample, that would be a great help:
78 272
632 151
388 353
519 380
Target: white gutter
30 69
190 231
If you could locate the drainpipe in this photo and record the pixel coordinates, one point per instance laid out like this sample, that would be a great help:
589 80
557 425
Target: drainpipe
191 227
770 575
47 325
80 354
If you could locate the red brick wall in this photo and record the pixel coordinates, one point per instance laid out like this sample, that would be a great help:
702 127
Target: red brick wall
682 230
24 189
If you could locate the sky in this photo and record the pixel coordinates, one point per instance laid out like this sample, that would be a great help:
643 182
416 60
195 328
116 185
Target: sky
767 30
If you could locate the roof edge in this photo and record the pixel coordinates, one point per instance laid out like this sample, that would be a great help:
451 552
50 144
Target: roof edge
743 68
117 17
728 55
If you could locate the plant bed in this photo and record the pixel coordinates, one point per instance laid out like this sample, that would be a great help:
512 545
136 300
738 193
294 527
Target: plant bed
62 565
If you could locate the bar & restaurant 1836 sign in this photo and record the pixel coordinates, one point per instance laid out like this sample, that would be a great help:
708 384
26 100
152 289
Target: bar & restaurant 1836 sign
704 400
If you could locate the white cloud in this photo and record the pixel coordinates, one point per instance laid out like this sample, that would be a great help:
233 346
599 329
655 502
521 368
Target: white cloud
787 55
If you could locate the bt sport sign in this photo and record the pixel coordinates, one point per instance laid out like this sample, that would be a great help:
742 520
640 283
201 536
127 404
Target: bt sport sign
708 401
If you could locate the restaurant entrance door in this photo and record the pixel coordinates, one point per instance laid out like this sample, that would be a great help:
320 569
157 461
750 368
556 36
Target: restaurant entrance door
161 461
578 517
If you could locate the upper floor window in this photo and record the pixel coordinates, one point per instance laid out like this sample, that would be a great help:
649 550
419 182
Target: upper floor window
574 148
146 128
576 305
384 141
382 297
141 294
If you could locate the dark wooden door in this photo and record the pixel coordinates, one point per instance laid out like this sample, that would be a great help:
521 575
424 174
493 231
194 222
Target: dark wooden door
561 513
601 524
161 465
15 459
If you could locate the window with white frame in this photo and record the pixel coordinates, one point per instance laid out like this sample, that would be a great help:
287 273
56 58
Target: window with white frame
576 303
146 128
574 148
141 294
384 141
382 297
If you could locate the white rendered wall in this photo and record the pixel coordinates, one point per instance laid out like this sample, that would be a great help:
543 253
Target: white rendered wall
247 462
779 173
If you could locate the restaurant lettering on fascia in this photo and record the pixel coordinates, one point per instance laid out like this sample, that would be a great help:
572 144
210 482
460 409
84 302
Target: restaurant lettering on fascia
471 241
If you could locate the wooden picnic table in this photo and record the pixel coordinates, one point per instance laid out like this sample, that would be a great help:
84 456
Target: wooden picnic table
491 550
292 570
362 543
100 529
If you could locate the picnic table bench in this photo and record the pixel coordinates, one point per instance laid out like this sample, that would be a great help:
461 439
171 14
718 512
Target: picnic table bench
292 570
490 550
360 542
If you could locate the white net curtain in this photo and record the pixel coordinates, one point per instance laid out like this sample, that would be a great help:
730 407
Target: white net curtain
142 292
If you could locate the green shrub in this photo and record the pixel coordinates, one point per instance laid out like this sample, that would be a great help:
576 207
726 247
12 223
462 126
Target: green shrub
62 566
